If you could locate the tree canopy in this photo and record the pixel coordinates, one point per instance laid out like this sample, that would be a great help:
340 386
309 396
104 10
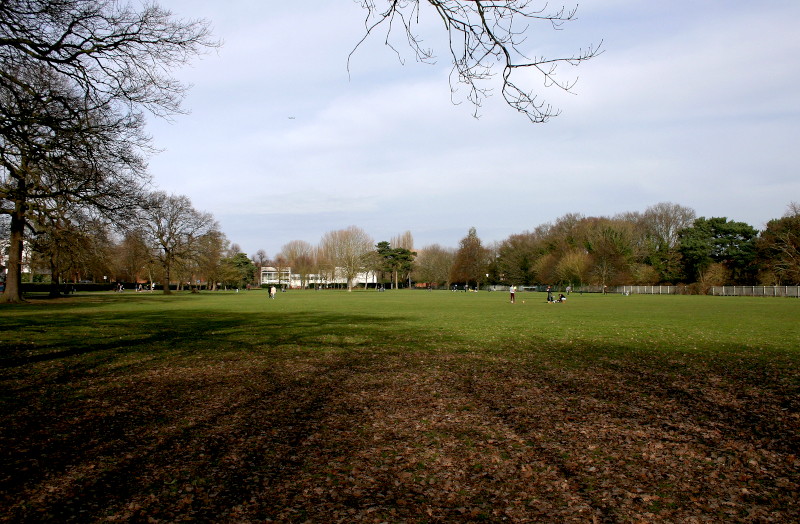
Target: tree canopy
719 240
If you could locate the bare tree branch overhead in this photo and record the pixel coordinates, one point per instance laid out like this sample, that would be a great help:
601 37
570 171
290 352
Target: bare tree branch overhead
486 39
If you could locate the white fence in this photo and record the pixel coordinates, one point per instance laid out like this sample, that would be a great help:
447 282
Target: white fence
756 291
635 290
722 291
649 290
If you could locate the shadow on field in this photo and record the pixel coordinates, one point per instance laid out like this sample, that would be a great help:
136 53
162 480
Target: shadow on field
187 332
185 415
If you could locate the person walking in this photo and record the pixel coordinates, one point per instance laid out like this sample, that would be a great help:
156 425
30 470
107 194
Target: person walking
272 292
512 290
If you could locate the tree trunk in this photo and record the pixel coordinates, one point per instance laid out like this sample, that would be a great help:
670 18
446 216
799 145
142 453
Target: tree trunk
13 291
55 292
165 285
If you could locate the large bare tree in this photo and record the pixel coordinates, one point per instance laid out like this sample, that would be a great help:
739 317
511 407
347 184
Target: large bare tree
175 229
664 220
76 77
348 250
486 38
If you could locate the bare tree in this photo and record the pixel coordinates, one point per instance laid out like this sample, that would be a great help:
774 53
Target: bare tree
70 242
212 248
259 260
433 264
75 78
348 249
483 34
281 263
174 229
664 220
300 257
404 240
323 265
133 257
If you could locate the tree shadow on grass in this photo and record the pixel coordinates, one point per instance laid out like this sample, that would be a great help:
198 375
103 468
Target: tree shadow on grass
61 336
187 414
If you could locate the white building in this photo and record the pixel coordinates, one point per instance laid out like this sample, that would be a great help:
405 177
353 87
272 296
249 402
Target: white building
271 276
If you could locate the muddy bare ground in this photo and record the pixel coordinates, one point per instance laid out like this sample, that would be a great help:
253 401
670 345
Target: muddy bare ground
385 436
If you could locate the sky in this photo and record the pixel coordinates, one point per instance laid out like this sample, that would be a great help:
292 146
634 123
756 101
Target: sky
695 103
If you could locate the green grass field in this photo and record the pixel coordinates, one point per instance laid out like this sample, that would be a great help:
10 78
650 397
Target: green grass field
400 406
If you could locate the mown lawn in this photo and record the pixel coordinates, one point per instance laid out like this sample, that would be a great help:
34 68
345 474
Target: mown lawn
400 406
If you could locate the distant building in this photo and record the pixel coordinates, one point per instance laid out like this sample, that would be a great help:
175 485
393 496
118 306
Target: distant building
274 277
271 276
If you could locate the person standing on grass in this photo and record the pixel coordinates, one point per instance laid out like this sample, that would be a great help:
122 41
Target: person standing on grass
272 292
512 290
549 295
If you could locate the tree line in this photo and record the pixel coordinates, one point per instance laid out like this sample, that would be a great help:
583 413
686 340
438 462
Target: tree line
665 244
169 242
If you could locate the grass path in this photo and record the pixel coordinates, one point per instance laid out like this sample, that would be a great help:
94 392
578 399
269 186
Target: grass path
400 407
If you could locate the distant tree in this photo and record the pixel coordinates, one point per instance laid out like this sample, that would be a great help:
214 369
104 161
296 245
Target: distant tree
611 246
404 240
281 263
517 256
662 224
433 264
209 264
174 229
64 247
471 261
644 275
324 266
778 248
395 260
348 250
300 257
719 240
567 232
485 39
259 260
664 221
573 267
240 270
133 256
381 261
